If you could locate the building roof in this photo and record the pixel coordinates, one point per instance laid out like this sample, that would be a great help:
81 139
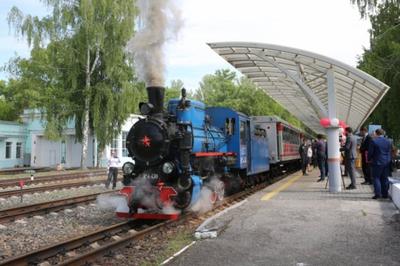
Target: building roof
297 79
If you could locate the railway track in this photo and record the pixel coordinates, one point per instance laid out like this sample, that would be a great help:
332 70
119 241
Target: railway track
13 214
17 192
4 183
115 237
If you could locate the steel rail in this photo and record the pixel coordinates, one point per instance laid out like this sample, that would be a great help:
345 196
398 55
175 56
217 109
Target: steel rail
49 178
17 192
42 254
9 215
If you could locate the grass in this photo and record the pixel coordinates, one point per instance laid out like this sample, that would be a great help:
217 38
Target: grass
174 244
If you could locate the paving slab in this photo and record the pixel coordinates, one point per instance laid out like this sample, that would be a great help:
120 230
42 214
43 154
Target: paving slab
303 224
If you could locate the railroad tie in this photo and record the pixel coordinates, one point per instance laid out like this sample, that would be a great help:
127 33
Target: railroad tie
116 238
44 263
95 245
132 232
71 254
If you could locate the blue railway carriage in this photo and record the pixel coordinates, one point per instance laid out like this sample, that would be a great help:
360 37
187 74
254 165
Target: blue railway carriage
283 140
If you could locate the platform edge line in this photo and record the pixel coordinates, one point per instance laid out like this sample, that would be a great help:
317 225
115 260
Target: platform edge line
275 192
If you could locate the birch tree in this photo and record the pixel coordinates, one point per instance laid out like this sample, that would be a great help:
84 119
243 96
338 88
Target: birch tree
84 42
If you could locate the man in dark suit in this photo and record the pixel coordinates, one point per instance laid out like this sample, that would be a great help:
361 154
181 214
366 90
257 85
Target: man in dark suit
366 167
350 154
303 155
379 154
320 147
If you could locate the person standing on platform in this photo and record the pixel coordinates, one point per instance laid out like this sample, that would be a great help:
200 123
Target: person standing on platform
303 155
321 156
350 154
365 165
309 156
314 151
379 154
113 170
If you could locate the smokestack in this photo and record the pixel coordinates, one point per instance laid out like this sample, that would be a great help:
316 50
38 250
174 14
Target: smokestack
156 97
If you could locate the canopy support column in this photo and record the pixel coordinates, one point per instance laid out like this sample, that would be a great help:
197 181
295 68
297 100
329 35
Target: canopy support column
333 137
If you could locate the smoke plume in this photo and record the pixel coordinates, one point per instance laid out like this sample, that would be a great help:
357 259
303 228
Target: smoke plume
112 202
204 203
159 22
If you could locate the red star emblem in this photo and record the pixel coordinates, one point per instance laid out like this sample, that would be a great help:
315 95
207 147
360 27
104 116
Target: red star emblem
146 141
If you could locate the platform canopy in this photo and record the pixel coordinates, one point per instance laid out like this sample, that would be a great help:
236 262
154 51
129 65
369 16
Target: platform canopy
298 80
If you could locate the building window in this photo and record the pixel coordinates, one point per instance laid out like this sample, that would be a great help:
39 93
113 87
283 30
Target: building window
18 150
8 150
124 149
114 146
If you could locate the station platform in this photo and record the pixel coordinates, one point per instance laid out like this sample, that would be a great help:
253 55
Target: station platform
298 222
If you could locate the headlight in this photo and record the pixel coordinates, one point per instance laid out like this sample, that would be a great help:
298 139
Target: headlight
128 168
145 108
167 168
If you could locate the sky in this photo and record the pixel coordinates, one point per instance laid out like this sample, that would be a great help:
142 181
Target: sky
329 27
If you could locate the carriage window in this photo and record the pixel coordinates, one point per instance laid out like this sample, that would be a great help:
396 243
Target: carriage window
290 136
230 126
259 132
243 135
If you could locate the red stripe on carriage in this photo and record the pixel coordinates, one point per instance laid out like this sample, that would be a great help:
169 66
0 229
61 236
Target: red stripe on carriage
213 154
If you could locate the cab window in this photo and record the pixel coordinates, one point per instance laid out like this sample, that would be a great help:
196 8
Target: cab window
243 133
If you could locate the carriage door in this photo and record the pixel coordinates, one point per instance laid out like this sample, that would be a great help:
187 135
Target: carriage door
244 136
248 141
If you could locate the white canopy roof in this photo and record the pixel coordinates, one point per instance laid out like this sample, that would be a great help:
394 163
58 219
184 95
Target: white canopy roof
297 80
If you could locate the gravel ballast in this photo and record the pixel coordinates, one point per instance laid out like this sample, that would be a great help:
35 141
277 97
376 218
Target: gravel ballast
29 234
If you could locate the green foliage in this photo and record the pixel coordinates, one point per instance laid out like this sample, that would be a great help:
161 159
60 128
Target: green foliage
173 91
225 89
15 97
368 7
382 61
78 65
6 106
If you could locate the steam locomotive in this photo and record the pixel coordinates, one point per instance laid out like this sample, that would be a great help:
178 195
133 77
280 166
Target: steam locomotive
190 147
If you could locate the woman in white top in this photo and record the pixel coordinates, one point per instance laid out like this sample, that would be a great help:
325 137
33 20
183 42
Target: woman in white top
309 156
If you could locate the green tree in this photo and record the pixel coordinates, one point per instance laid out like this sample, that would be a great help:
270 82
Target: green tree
15 97
225 89
368 7
6 106
382 61
79 52
174 90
